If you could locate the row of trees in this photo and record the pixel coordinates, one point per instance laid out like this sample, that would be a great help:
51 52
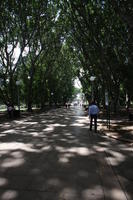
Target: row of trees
101 34
46 44
33 49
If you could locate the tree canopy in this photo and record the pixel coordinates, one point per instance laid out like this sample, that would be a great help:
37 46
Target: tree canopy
47 44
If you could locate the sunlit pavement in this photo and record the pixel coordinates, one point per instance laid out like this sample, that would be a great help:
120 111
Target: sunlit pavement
53 156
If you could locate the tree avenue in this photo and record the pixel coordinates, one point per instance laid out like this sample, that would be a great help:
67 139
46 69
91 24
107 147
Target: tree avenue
47 44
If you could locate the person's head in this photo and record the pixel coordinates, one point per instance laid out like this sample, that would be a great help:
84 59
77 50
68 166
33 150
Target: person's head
8 103
93 102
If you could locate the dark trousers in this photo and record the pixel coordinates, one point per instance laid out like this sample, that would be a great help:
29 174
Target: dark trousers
95 122
10 114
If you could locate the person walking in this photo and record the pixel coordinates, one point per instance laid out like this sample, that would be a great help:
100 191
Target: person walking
10 109
93 113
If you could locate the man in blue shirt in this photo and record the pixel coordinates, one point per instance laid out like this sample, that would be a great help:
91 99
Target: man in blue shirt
93 113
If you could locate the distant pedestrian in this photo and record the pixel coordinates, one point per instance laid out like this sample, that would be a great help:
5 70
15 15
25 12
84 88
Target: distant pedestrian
10 109
66 104
93 113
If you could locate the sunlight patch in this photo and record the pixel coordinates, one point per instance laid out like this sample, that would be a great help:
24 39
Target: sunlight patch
17 154
98 148
34 133
46 148
50 128
9 195
3 181
10 131
77 124
16 145
20 122
11 162
59 125
116 158
63 159
83 151
44 121
2 135
118 194
81 120
93 193
5 125
68 194
60 149
127 128
26 123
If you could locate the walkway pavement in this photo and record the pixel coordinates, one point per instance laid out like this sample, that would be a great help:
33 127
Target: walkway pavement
121 129
53 156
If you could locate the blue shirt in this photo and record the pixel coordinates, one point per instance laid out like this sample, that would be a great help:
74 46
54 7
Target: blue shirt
93 110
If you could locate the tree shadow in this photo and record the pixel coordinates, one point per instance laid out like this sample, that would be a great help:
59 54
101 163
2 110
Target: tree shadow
53 156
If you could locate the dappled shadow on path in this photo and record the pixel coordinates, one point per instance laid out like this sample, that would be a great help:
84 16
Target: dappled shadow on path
52 156
121 128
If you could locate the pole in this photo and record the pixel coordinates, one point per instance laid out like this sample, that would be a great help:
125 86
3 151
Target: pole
109 116
92 92
18 99
107 109
92 78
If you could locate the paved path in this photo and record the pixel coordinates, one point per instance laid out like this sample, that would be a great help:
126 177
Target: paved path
121 129
53 156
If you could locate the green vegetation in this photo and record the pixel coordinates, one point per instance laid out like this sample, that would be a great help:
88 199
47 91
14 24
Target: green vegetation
47 44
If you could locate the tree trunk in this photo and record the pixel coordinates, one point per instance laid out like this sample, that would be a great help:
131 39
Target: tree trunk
128 102
30 95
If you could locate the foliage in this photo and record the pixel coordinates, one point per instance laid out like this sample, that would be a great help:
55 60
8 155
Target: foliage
46 44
